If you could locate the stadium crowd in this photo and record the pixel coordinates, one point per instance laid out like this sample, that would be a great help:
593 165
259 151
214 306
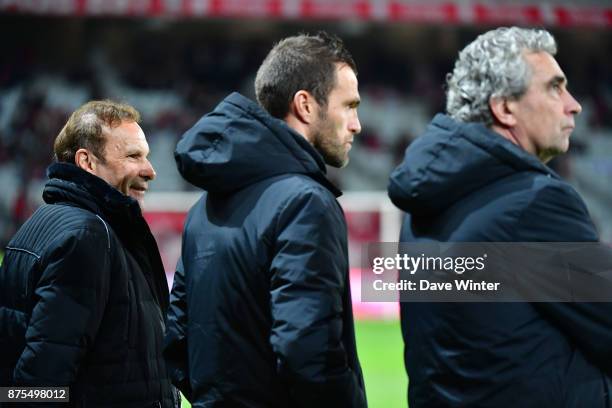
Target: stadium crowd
173 72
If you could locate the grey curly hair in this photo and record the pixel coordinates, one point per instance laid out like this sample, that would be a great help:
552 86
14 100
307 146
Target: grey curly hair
493 66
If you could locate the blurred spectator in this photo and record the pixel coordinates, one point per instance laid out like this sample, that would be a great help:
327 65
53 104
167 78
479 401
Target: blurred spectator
176 71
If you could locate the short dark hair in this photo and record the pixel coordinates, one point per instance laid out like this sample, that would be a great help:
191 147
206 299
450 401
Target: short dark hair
84 128
302 62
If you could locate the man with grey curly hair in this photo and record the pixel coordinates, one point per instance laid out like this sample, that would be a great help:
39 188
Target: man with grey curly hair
498 80
478 174
493 67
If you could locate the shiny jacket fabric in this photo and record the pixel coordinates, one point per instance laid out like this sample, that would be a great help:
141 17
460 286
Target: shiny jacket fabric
464 183
260 312
82 298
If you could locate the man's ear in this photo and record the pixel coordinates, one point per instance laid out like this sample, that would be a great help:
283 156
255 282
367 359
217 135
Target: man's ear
303 107
84 159
503 111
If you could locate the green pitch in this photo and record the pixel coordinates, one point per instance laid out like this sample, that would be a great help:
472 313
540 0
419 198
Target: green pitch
380 348
381 352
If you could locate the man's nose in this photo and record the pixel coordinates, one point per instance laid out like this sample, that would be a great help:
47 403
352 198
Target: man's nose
148 172
572 104
355 125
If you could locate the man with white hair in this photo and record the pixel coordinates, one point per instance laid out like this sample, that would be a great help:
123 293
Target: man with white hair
478 174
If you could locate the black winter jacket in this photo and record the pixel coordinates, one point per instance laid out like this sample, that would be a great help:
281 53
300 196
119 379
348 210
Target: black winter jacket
82 298
260 312
465 183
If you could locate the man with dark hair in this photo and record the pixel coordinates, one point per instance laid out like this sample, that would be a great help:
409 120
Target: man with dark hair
82 287
261 311
478 174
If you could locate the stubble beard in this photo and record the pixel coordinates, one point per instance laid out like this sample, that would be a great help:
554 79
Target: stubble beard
326 142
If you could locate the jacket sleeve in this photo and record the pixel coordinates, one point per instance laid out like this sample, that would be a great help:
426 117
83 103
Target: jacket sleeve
175 343
559 214
70 298
309 275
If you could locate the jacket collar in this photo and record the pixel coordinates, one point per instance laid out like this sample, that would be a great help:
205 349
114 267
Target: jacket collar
69 183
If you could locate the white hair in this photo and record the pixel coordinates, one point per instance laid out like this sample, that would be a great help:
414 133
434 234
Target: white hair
493 66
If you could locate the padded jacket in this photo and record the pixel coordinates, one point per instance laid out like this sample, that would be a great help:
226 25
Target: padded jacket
461 182
261 312
82 298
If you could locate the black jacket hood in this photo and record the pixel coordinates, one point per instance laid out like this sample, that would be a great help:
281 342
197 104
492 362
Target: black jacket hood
447 161
239 143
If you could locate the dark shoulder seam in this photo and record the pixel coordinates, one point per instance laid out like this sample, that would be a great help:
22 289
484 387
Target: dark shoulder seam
549 186
77 229
313 189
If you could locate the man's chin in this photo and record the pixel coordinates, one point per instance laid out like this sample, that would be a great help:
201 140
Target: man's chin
139 198
547 155
337 165
336 161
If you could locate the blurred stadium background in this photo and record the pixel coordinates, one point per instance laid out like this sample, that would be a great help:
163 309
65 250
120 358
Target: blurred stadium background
175 59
